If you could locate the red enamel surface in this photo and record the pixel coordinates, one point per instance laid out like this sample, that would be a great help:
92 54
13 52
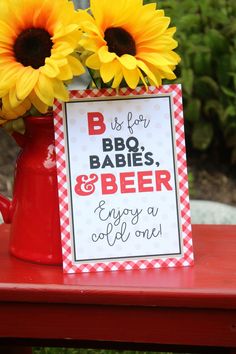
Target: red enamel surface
34 211
189 305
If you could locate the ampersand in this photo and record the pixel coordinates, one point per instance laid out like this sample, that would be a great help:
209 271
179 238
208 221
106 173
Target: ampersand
86 184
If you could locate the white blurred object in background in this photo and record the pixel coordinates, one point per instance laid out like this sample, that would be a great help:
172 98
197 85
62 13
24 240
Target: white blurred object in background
81 4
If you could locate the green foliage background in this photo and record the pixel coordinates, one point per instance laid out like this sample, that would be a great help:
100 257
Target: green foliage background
206 32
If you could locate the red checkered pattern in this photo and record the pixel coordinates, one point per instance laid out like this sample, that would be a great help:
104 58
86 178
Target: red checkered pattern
187 259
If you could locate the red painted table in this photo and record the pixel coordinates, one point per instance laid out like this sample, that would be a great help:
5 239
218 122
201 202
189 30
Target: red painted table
193 306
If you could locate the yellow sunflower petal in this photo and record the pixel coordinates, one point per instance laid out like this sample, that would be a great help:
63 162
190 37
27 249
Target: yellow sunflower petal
50 68
170 31
172 57
65 73
14 13
63 48
142 78
128 61
105 56
92 43
65 30
108 71
4 50
152 7
93 62
44 90
93 29
167 72
60 91
117 79
147 71
97 10
156 59
26 82
158 76
8 77
17 111
157 46
13 99
131 77
76 67
6 32
37 103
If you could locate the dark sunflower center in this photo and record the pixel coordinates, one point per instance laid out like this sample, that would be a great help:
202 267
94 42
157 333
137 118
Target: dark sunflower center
120 41
32 47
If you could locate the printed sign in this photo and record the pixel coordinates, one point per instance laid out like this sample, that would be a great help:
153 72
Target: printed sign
122 179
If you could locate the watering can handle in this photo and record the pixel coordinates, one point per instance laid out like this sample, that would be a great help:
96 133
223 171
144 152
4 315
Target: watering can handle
5 209
5 203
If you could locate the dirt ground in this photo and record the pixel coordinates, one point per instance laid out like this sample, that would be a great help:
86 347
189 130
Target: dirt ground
208 181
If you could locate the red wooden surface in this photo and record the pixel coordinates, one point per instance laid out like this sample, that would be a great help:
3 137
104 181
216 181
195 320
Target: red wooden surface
188 306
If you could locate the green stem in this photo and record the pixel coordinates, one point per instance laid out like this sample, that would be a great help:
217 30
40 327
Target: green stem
92 78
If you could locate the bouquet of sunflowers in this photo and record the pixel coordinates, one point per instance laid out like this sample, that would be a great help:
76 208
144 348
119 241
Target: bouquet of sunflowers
45 44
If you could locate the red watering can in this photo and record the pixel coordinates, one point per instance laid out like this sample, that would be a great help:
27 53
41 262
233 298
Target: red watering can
34 210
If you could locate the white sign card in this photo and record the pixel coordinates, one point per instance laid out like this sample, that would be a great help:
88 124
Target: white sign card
122 177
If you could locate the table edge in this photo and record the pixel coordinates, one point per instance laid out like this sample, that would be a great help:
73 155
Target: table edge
118 296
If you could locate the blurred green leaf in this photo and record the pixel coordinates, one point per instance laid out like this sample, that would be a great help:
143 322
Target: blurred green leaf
216 41
210 82
222 70
193 109
205 87
228 92
202 135
187 78
230 29
202 63
230 111
189 21
213 106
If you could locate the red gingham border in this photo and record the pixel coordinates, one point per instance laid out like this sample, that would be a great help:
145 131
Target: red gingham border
187 259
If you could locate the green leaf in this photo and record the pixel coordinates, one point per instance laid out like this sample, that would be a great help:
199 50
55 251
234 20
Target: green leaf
204 7
229 112
209 81
230 29
202 63
222 69
216 41
228 92
202 135
205 88
187 80
233 75
219 17
213 106
192 111
189 21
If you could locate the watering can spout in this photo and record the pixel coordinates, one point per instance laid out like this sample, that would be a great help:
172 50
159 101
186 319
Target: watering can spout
5 209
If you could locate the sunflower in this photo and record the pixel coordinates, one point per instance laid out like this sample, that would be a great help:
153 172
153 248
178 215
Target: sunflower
129 41
38 39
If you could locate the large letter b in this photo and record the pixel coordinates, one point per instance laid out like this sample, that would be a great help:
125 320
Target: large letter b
96 125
